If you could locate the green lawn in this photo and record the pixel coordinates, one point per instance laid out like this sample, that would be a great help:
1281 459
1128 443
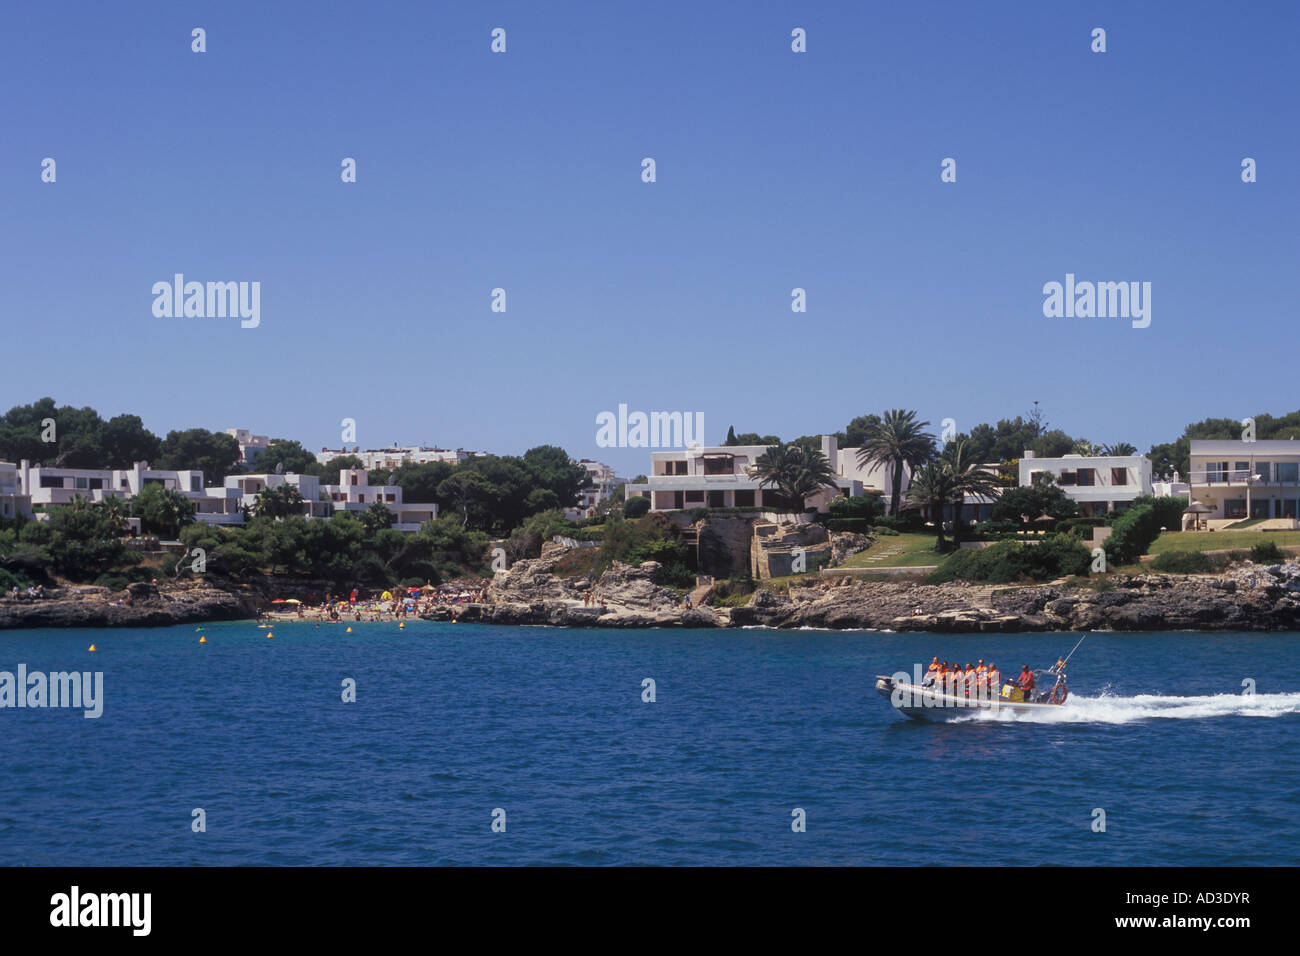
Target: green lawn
898 551
1220 540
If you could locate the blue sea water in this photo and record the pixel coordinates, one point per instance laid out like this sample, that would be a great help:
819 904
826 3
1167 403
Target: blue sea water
453 721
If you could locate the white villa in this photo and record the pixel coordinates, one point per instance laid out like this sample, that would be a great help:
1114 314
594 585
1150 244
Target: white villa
1246 479
396 456
723 476
1099 483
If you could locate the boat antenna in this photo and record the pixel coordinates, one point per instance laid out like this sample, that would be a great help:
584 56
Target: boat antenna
1071 654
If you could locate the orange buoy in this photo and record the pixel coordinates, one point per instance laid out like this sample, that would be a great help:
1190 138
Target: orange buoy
203 640
92 648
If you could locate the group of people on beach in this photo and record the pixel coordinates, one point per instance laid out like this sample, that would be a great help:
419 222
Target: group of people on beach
397 606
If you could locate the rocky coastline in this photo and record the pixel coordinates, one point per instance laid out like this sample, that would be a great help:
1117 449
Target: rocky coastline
533 592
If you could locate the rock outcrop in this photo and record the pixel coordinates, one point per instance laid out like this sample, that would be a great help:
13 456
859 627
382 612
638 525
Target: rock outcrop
1248 598
149 605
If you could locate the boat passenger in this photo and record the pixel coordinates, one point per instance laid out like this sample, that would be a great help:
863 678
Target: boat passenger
969 679
932 674
994 679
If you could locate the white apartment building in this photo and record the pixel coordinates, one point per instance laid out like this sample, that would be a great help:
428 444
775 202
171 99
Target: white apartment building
1099 483
250 446
218 505
723 476
12 500
397 456
353 494
601 482
1246 479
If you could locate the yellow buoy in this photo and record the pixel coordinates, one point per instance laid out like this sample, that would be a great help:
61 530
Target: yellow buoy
92 648
203 640
401 626
349 630
269 635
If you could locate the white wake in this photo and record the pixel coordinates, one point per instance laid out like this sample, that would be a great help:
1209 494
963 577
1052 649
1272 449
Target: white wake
1108 709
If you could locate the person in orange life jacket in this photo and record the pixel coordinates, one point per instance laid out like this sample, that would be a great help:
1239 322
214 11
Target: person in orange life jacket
933 673
994 679
968 679
1026 681
953 683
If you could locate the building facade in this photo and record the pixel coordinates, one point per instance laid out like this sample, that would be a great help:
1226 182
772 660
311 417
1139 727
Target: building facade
724 476
1099 484
397 456
1246 479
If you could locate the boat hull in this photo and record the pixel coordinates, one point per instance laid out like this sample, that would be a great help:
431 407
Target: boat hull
927 703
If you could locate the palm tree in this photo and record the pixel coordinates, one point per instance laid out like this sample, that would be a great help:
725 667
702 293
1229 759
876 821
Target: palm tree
898 441
796 471
117 510
279 501
968 478
1121 449
931 488
1085 448
948 479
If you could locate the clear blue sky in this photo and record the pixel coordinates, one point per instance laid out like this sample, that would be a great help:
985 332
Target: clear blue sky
775 170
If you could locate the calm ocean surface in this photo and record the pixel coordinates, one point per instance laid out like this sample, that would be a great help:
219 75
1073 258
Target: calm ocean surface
452 721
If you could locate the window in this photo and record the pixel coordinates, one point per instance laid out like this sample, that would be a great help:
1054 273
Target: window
354 479
1287 472
1234 508
48 481
82 483
361 499
718 465
390 497
196 483
744 499
97 483
1087 476
679 468
1261 469
1241 470
1119 476
1216 471
717 499
1068 478
695 497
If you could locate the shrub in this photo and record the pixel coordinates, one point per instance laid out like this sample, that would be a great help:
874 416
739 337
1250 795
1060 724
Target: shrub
989 529
114 582
1267 552
1133 532
1168 511
907 521
635 507
860 525
11 579
1009 561
871 507
1183 562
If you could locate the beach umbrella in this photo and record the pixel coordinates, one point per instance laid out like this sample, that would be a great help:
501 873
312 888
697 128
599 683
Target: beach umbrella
279 601
387 596
291 601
